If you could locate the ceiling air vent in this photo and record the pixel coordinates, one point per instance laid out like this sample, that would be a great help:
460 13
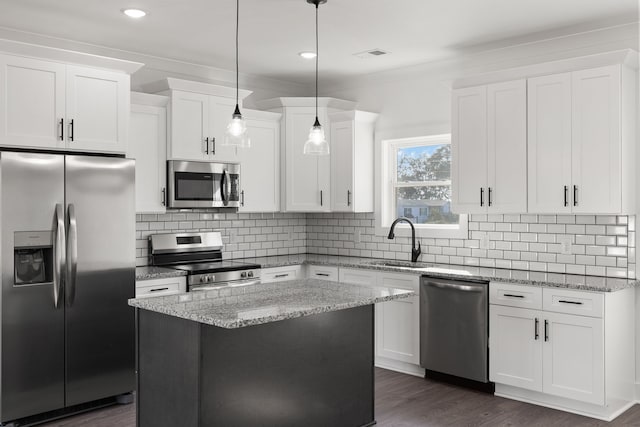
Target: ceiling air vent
371 53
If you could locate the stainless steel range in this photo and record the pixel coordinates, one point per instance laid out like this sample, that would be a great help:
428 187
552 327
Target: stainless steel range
200 255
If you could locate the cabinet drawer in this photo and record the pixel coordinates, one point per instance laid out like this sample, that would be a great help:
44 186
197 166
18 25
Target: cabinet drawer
280 274
515 295
160 287
399 280
358 277
573 302
322 272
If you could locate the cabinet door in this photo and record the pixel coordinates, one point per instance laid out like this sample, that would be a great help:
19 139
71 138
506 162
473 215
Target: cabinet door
469 150
342 138
259 164
32 102
515 347
573 357
507 147
307 177
189 125
220 112
549 143
398 322
596 141
148 145
98 104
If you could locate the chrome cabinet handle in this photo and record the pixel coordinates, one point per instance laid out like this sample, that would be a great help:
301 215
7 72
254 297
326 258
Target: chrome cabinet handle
490 201
537 330
72 256
575 195
213 145
59 257
163 196
320 197
61 129
322 274
206 145
72 132
481 196
348 198
242 200
279 276
566 195
158 289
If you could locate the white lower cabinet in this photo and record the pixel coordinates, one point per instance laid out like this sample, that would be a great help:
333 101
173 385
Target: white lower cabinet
397 323
161 287
280 274
569 351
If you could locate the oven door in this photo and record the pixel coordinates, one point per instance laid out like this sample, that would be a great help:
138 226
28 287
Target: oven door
203 185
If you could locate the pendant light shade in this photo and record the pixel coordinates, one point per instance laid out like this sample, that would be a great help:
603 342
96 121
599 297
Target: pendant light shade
236 134
316 144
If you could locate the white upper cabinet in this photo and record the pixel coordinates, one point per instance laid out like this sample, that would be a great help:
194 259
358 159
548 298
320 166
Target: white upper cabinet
32 102
596 140
489 148
260 171
469 150
47 104
198 117
580 142
549 109
148 146
352 161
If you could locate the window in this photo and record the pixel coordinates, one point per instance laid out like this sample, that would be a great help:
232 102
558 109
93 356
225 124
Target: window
417 173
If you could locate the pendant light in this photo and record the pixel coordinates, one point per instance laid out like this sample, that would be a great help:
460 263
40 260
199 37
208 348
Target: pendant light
316 144
236 134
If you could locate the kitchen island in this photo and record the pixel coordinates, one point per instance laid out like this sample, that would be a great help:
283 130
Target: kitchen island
282 354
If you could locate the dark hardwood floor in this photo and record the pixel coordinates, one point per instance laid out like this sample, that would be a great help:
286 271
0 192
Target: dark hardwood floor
406 401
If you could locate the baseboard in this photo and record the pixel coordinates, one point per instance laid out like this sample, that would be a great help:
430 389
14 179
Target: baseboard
402 367
612 410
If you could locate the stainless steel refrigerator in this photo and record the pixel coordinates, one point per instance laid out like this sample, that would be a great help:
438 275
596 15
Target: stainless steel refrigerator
68 268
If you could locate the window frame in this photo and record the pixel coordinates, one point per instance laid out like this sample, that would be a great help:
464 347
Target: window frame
386 207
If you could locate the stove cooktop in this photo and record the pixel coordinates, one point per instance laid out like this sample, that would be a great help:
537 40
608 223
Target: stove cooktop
215 267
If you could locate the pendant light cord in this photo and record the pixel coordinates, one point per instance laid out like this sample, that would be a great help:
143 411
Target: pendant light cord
317 53
237 44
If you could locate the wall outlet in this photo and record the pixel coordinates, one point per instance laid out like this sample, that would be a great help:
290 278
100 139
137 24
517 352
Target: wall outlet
565 245
484 241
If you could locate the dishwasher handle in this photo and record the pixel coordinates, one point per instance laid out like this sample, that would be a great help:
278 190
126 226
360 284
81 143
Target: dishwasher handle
456 286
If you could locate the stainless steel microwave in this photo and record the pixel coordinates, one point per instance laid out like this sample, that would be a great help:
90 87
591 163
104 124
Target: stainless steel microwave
203 184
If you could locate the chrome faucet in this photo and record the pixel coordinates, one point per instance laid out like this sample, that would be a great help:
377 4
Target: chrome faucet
415 252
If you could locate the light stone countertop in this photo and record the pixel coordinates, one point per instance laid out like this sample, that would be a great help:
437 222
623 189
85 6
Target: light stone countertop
522 277
242 306
150 272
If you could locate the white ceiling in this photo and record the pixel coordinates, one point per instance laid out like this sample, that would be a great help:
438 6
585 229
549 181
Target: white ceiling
274 31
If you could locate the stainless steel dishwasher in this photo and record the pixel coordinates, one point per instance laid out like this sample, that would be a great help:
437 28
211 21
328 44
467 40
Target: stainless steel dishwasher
454 328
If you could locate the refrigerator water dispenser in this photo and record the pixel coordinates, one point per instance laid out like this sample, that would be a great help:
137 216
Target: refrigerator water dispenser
33 257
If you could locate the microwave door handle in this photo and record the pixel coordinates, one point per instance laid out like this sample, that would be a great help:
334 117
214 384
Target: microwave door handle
223 187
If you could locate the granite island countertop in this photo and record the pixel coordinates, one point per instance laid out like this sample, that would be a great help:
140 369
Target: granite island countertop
237 307
523 277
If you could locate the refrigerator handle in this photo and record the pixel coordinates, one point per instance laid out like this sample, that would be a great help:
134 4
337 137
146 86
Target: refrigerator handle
59 254
72 256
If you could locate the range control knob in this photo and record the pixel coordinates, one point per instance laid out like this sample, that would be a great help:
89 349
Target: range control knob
203 279
243 274
250 274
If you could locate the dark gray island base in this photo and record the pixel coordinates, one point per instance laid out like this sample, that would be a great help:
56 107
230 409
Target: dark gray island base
306 358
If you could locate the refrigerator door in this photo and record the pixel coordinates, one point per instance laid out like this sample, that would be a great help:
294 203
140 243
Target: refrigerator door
100 328
32 345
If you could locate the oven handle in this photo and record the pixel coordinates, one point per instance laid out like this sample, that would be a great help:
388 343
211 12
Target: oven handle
213 286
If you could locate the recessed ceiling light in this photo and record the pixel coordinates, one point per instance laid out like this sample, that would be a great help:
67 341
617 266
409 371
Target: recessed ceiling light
134 13
308 55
